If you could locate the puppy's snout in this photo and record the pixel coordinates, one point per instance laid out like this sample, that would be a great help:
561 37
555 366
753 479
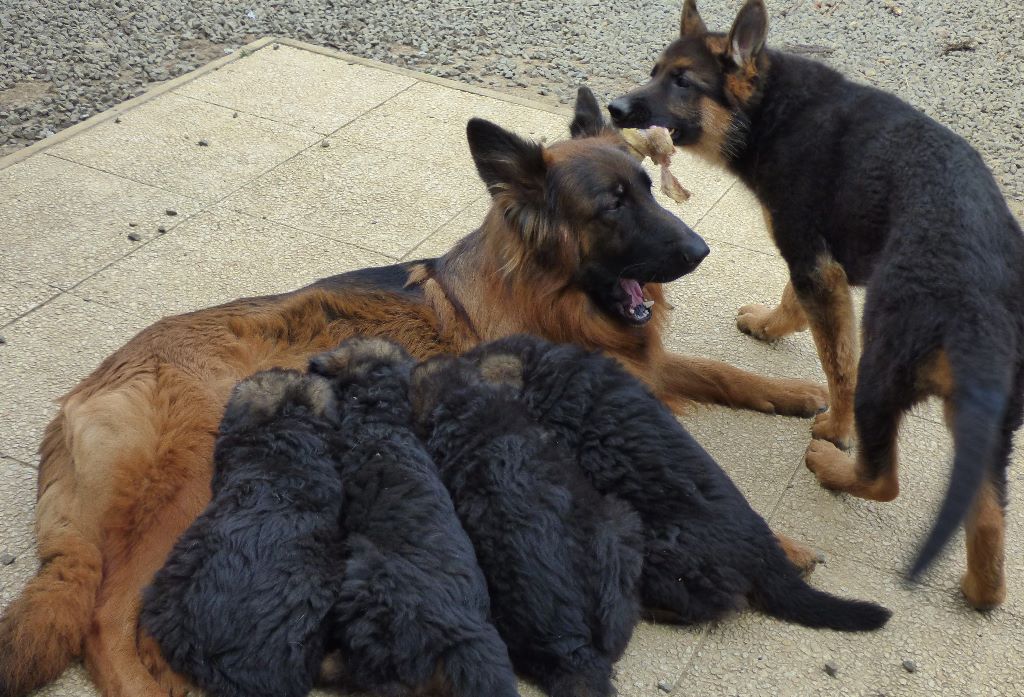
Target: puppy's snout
619 108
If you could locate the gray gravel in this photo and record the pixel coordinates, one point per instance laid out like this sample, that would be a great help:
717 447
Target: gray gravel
962 62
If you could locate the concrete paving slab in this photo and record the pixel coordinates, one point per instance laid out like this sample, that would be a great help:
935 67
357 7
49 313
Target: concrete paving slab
17 484
217 256
158 144
437 132
45 354
886 535
21 296
955 651
303 89
371 197
62 221
454 230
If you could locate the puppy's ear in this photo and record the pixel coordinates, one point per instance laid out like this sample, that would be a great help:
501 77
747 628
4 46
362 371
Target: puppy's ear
691 24
587 120
426 384
502 369
506 162
747 36
331 363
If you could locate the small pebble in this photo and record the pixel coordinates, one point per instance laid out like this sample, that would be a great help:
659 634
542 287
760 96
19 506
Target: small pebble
909 666
277 46
134 236
664 686
3 341
161 229
203 143
234 115
832 669
7 559
325 144
171 211
117 119
132 224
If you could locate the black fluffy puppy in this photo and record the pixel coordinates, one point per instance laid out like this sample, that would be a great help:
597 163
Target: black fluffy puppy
413 611
707 551
240 604
562 561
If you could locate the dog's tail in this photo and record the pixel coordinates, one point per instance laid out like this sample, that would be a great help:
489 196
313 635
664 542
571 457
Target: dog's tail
781 592
479 666
43 629
587 674
982 384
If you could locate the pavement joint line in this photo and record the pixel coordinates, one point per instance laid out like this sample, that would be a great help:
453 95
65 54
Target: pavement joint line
261 117
28 312
407 256
714 205
17 460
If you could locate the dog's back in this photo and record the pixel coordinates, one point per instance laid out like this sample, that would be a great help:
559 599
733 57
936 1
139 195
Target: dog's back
562 561
413 607
240 603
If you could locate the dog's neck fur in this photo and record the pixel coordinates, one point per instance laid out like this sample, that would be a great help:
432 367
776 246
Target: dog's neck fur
791 85
505 290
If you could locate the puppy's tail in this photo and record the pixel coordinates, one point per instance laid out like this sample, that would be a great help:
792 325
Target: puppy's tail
981 392
43 629
782 593
479 666
587 674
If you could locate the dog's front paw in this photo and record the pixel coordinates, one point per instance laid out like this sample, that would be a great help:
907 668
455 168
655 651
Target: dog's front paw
984 593
832 467
838 431
752 320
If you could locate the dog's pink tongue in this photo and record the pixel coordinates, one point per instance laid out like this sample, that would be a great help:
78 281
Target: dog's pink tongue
632 288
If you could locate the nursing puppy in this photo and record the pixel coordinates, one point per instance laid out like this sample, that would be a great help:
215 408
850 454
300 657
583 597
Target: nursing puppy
707 552
412 610
240 604
562 561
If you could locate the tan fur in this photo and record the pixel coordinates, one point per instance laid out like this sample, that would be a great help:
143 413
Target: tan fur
767 324
503 370
833 325
838 471
803 557
126 464
984 584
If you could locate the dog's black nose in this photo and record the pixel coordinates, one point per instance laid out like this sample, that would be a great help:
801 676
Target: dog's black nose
619 108
696 251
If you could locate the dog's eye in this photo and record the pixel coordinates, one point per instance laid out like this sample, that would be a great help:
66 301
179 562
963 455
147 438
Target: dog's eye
682 80
619 197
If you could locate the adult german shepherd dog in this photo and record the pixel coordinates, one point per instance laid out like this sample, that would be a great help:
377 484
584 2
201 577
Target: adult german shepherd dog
859 188
571 247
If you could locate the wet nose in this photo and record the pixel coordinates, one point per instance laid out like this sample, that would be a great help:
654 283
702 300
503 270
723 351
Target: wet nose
695 252
619 108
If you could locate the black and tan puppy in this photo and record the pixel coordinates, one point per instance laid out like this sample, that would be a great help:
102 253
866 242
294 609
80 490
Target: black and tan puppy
562 561
707 552
860 188
412 613
240 604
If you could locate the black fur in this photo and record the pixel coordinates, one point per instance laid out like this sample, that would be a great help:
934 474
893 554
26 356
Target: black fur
413 607
906 207
707 550
240 604
562 562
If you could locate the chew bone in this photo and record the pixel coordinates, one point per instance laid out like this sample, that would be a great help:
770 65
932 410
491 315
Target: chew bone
656 143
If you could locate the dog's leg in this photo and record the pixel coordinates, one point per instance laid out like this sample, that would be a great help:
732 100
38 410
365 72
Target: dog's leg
766 324
678 379
825 296
984 584
881 404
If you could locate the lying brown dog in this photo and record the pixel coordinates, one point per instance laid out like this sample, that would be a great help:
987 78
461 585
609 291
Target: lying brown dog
573 249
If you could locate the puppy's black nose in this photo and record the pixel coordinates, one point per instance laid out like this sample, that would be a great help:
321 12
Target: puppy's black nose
695 252
619 108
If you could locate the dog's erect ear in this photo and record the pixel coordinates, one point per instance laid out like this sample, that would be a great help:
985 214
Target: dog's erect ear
691 24
506 162
588 119
746 38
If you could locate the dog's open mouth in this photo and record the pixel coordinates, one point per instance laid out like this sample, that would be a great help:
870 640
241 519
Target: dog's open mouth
634 307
